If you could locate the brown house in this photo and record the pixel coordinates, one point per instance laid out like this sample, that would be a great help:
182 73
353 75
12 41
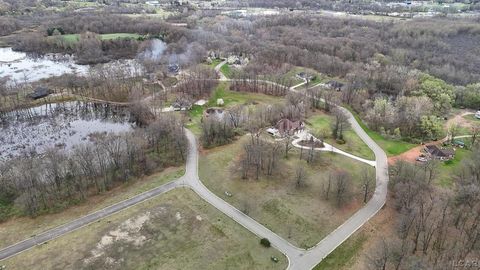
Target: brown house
435 152
287 127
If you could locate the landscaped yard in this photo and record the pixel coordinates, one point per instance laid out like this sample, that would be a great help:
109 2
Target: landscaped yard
230 98
18 229
320 122
391 147
291 76
300 215
176 230
447 170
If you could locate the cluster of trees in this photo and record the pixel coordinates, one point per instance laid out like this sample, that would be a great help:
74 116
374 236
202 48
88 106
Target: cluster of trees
434 228
198 83
242 118
90 48
414 113
356 6
34 184
260 157
256 85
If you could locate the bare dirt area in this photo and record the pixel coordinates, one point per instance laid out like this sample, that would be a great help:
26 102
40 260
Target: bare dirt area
177 230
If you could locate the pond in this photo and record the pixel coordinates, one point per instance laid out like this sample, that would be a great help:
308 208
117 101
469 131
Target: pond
62 125
24 68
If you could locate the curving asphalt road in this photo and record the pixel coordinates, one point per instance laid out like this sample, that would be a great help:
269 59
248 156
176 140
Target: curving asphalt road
298 258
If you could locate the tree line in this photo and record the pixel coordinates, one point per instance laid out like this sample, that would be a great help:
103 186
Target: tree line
434 228
34 184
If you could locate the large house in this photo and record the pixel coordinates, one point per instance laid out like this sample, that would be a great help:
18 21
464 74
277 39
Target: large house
434 152
288 127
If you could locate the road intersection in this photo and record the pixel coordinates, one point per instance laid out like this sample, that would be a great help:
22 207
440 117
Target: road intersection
298 258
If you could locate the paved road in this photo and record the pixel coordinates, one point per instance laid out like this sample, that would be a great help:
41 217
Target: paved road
298 258
85 220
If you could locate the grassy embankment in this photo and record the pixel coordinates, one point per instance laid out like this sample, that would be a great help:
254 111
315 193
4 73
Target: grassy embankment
391 147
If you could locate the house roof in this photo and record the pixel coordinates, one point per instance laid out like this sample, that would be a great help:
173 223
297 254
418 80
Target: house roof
40 92
286 125
435 151
335 84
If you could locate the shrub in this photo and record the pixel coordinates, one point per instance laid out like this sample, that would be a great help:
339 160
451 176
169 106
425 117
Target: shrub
340 141
265 242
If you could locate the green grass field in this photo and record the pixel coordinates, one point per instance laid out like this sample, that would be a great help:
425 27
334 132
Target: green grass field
447 170
321 123
75 37
301 216
391 147
176 230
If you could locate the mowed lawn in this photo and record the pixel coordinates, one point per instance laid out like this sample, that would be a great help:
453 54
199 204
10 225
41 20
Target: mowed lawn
300 215
20 228
75 37
448 170
176 230
321 122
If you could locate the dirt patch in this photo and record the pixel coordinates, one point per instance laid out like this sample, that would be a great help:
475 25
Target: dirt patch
127 232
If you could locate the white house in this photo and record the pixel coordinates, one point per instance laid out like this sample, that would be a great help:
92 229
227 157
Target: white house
477 115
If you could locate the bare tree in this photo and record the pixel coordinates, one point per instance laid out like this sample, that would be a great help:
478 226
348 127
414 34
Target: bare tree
300 177
367 184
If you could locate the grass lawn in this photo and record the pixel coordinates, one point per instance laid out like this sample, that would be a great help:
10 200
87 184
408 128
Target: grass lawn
176 230
391 147
226 70
353 144
230 98
472 118
300 215
447 170
17 229
75 37
342 257
215 62
291 75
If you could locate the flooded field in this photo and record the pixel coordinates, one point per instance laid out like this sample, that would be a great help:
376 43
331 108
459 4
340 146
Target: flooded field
22 68
62 125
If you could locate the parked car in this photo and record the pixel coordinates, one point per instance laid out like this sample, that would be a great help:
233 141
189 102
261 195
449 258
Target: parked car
421 159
